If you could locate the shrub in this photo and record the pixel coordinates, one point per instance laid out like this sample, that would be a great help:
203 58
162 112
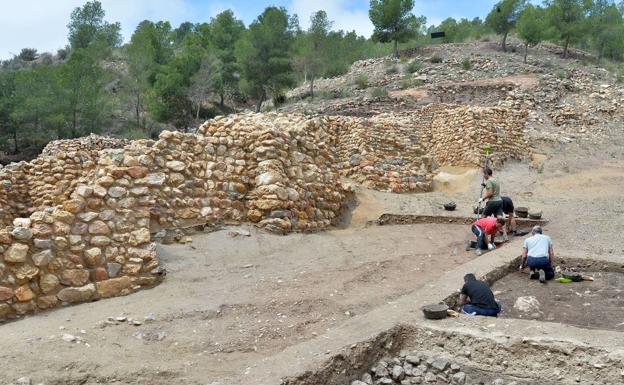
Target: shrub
466 64
403 59
392 70
361 82
379 92
414 66
406 83
418 82
561 74
62 53
435 59
278 100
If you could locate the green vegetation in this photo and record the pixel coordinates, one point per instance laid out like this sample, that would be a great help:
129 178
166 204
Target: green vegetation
361 82
503 16
379 92
391 70
394 22
176 77
435 59
531 26
466 64
414 66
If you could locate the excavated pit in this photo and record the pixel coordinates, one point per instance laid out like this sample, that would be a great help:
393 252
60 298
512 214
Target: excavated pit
416 355
597 304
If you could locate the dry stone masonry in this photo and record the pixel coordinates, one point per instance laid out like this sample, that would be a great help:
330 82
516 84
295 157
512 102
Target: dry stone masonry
76 222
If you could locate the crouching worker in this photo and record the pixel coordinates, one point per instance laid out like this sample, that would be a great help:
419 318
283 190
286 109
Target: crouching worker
485 229
537 253
476 298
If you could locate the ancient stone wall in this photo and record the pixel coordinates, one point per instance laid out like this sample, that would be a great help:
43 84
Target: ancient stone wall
77 220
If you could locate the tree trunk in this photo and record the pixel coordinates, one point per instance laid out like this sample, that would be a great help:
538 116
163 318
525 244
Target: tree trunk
565 47
15 148
504 43
396 49
221 100
261 101
311 87
526 51
138 110
74 124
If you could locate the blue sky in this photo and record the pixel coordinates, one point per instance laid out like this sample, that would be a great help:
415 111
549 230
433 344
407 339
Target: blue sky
42 24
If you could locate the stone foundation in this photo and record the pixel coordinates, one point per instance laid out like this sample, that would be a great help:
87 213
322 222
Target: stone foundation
76 222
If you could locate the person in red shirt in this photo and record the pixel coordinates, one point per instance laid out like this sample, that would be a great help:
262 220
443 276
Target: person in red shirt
485 229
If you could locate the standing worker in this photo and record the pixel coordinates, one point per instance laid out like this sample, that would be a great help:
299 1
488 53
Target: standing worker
485 229
508 209
491 193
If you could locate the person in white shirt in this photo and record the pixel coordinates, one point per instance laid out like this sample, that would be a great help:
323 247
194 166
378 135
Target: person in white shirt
537 254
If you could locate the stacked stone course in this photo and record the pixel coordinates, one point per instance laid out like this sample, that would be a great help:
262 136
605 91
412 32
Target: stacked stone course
77 220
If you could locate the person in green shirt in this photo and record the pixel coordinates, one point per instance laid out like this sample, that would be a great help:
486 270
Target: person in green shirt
491 193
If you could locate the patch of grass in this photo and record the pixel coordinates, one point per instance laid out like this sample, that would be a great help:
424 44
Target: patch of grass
561 74
466 64
361 82
540 168
334 94
435 59
392 70
403 59
379 92
418 82
406 82
414 66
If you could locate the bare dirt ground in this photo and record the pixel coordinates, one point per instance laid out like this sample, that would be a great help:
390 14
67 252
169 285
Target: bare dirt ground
228 302
594 304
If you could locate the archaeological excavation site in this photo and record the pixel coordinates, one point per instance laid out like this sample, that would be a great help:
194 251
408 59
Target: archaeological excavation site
299 246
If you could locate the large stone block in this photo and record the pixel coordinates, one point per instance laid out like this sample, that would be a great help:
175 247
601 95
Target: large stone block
77 294
16 253
112 287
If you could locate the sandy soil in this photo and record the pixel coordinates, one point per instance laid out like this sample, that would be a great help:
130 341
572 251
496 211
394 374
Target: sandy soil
228 302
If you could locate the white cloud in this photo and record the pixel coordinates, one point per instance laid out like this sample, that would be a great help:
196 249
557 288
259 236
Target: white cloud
42 24
341 12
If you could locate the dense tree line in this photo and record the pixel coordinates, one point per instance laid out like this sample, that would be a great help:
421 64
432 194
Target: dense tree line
179 76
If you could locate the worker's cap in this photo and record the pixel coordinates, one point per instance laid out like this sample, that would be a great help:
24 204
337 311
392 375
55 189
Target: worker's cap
537 229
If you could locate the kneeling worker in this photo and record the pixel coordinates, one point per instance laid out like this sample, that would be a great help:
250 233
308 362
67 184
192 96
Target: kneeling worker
485 229
476 298
537 253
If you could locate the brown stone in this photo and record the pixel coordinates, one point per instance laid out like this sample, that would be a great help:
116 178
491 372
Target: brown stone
132 268
16 253
42 230
112 287
100 274
63 216
137 172
100 240
22 308
5 310
77 294
24 293
6 293
139 237
98 228
26 272
73 206
47 302
75 277
48 283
